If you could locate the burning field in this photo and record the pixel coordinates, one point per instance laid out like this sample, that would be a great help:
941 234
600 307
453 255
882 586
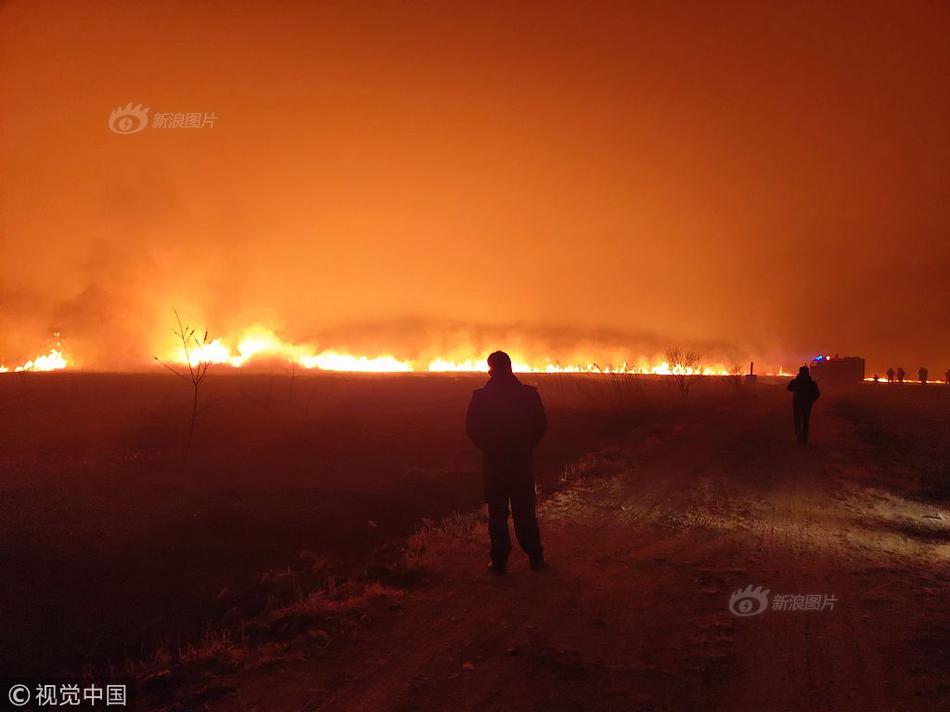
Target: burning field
256 257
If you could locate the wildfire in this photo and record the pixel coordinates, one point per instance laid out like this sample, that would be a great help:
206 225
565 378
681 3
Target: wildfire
521 366
262 343
53 361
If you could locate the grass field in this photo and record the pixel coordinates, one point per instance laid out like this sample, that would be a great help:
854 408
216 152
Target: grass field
117 545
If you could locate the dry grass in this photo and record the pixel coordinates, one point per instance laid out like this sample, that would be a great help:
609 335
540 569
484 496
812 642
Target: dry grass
329 600
434 538
216 647
594 464
278 636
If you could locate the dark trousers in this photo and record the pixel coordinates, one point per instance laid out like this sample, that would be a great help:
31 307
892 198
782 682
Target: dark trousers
802 414
520 494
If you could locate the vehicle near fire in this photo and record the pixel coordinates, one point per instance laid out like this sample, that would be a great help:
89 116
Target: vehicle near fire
837 370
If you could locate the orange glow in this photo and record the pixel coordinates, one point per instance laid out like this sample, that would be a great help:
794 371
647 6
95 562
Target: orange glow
261 344
658 368
53 361
409 184
906 381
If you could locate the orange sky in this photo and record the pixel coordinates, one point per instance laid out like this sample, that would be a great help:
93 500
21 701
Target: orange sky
750 178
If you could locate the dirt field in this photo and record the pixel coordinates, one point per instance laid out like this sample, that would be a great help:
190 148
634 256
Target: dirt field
114 547
654 513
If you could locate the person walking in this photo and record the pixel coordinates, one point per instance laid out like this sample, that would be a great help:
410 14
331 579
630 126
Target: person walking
804 394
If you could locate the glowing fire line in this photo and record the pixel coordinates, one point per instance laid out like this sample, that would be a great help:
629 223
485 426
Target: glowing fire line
260 342
53 361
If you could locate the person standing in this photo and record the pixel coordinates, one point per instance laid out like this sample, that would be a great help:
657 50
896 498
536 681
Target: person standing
804 394
506 421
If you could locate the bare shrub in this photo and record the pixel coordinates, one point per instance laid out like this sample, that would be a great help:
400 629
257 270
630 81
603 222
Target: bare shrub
196 372
687 368
434 538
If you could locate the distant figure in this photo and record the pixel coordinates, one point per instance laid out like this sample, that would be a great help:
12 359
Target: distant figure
946 377
876 378
506 421
922 374
890 375
804 394
900 374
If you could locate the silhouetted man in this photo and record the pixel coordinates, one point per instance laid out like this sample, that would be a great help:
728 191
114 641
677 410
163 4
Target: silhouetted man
922 374
946 377
804 394
900 374
506 420
890 375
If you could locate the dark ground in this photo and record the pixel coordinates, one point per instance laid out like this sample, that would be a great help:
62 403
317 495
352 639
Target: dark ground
113 548
645 552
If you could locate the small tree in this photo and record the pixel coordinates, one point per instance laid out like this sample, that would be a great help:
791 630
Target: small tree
686 367
197 370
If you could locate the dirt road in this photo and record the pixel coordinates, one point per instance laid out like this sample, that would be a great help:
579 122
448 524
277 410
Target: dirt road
645 550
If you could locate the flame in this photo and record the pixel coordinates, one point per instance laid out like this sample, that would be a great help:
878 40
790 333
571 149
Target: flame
522 366
53 361
333 361
906 381
260 342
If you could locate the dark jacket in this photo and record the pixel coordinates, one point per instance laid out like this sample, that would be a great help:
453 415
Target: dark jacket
804 390
505 417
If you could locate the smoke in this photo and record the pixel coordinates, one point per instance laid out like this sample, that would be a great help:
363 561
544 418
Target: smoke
422 181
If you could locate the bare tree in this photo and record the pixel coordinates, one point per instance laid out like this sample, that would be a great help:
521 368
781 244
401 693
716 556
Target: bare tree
197 370
686 367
